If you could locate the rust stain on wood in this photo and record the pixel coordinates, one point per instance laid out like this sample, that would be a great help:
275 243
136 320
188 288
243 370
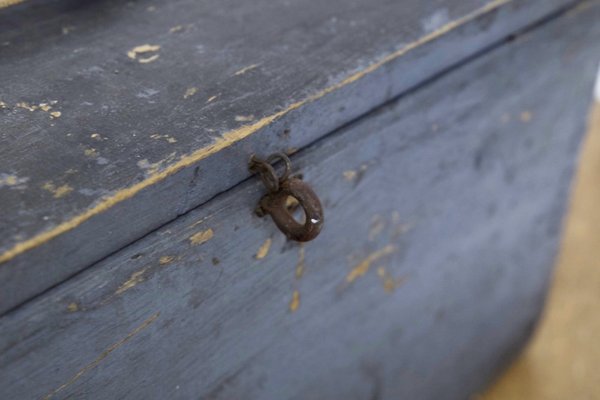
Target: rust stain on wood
102 356
201 237
264 249
364 266
229 138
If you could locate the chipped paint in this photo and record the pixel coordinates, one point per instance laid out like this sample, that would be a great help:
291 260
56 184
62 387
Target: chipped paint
102 356
3 105
350 175
143 49
364 266
211 99
201 237
96 136
26 106
57 191
377 226
90 152
190 92
245 69
234 136
133 280
164 260
177 28
72 307
168 138
264 249
300 265
389 283
244 118
526 116
12 181
295 303
148 59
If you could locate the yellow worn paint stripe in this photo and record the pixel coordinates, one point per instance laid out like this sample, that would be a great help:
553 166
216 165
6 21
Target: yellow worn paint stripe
231 137
8 3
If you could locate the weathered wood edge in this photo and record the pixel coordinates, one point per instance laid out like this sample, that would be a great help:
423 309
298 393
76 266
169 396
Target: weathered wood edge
35 264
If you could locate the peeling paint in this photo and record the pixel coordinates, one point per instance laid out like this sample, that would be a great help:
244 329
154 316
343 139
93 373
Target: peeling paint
295 303
234 136
143 49
201 237
264 249
166 260
57 191
526 116
190 92
12 181
350 175
364 266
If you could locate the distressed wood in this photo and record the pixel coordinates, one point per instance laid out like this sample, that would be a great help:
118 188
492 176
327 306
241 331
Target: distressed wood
443 214
118 117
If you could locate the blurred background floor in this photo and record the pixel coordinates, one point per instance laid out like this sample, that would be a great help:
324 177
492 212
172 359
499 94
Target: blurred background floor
562 361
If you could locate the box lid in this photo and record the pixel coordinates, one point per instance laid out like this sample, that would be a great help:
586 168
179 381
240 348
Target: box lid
116 117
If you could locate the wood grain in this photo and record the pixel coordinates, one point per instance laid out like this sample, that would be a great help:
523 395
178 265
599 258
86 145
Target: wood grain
118 118
420 284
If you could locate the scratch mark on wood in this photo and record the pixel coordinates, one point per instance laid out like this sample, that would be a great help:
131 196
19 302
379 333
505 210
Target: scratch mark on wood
234 136
363 267
201 237
211 99
102 356
177 28
350 175
295 303
264 249
246 69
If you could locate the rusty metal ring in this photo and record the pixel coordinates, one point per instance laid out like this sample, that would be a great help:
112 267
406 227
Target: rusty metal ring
267 173
286 160
275 205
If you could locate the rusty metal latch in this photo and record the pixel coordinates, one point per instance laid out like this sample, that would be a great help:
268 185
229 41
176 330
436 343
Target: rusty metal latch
275 203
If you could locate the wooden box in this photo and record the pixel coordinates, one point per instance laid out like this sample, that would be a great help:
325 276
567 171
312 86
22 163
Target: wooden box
440 136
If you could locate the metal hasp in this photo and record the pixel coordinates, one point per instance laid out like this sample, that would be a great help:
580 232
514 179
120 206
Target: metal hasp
275 203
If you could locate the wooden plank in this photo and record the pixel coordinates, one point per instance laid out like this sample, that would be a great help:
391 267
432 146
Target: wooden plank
119 117
443 213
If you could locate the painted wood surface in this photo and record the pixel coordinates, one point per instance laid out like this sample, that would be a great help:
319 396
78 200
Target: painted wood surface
443 214
118 117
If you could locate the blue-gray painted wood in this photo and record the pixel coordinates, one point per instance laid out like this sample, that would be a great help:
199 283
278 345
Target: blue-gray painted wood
113 107
456 190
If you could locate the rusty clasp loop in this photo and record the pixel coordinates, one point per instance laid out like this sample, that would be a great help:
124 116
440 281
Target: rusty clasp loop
275 203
